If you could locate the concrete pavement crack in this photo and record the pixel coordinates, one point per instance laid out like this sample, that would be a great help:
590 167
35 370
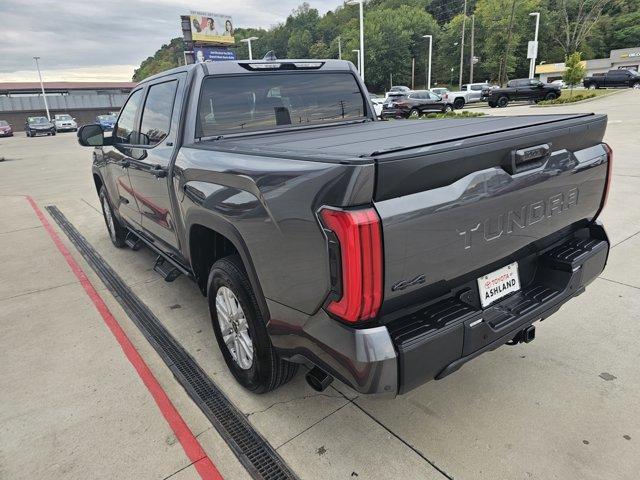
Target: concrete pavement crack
183 468
283 402
313 425
619 283
622 241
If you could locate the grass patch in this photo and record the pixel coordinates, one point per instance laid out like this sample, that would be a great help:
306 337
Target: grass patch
576 97
463 114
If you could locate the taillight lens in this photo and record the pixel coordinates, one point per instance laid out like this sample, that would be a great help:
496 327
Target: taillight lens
607 186
359 235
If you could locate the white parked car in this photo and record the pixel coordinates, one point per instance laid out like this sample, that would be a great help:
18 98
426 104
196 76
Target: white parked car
64 122
470 93
559 83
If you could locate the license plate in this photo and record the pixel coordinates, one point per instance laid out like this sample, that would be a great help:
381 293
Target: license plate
498 284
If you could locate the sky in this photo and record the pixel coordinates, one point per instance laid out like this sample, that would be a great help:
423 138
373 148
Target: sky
87 40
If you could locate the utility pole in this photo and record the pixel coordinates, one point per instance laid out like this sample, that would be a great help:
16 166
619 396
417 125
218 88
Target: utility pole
413 73
44 97
464 21
473 31
339 47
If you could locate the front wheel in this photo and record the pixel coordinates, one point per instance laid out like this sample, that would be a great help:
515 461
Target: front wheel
117 232
550 96
241 331
448 108
636 85
414 113
592 87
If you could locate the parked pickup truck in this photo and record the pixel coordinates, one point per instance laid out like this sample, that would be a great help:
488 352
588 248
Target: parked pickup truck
384 254
522 89
470 93
613 78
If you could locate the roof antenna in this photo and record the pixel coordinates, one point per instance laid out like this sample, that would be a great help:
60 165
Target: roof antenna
270 56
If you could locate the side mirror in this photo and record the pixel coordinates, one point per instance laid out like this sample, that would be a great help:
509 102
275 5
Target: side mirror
92 136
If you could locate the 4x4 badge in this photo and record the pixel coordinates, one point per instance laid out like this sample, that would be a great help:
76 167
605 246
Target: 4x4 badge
402 284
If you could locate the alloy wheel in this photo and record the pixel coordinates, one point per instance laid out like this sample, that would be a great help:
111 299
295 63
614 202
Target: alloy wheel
234 328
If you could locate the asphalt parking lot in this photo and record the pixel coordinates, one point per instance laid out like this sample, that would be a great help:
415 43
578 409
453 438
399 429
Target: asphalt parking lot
75 405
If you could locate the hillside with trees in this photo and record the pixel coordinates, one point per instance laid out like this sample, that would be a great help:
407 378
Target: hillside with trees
394 30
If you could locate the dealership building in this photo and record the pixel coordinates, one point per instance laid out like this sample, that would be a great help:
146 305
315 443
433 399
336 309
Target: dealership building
82 100
622 58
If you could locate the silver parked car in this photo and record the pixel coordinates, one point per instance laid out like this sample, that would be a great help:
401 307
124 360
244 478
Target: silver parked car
65 123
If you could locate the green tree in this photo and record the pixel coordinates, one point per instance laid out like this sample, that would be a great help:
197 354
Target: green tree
574 72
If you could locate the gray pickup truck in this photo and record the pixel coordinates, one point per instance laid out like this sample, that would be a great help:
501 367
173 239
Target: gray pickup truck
383 254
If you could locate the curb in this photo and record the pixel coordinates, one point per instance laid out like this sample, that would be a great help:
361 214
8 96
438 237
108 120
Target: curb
586 100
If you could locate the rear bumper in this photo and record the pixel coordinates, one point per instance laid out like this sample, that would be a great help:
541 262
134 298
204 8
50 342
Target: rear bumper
437 340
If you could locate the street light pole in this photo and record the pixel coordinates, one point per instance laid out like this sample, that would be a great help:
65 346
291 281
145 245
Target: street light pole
430 37
532 65
248 42
359 65
464 22
361 9
46 105
339 47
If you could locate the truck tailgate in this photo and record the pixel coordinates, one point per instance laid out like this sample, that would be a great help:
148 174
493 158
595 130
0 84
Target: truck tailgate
455 209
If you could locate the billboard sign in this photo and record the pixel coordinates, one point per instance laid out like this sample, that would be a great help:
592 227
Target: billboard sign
211 27
213 54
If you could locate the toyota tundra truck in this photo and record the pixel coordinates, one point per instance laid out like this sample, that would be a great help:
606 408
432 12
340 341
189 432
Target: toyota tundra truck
383 254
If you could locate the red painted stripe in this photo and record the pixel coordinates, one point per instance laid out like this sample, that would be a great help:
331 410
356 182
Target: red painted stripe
183 433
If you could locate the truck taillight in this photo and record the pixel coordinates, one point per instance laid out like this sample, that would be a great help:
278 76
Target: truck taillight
360 240
607 186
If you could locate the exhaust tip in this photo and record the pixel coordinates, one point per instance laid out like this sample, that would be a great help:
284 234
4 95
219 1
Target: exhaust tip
318 379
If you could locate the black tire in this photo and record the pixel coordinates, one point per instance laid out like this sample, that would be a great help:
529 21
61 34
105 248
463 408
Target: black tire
414 112
448 108
53 133
503 102
267 371
550 96
492 104
117 232
458 103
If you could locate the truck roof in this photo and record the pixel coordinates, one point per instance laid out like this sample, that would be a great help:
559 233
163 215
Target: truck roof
236 66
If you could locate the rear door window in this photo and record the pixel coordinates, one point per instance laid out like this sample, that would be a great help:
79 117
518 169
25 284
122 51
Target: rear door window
156 116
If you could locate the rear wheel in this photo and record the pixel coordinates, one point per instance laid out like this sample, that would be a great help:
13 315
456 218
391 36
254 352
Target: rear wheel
636 85
414 113
458 103
117 232
448 108
503 102
241 331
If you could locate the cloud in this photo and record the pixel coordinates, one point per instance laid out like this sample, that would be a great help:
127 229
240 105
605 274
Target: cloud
76 37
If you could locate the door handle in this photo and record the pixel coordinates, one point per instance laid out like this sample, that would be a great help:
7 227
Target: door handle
159 172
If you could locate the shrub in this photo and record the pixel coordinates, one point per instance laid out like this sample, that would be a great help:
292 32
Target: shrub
463 114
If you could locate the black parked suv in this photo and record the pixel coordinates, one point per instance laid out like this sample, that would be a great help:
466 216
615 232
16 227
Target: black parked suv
39 126
413 104
522 89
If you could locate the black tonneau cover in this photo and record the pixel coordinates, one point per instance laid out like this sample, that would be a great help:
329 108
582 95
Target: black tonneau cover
416 155
375 138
